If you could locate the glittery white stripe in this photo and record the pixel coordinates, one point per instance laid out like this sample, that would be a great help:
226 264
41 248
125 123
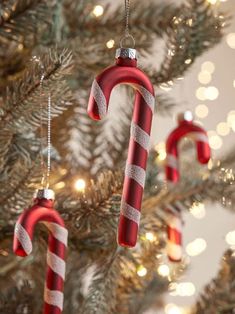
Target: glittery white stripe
175 223
197 136
99 97
23 237
140 136
172 161
174 250
148 97
130 212
136 173
59 232
56 264
54 297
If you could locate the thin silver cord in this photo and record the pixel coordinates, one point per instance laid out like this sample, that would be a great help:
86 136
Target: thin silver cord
48 140
127 34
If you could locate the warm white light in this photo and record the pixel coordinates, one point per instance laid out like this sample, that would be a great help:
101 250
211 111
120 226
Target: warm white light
215 141
110 44
198 210
166 87
161 150
231 118
172 309
204 77
141 271
234 83
163 270
230 39
213 1
211 93
230 238
149 236
223 128
185 289
208 66
188 61
200 93
98 10
196 247
201 111
80 185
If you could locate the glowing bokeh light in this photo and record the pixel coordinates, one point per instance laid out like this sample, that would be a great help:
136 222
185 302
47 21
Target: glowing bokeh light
230 39
198 210
200 93
204 77
110 44
196 247
208 66
211 93
223 128
163 270
98 10
215 141
201 111
80 185
141 271
230 238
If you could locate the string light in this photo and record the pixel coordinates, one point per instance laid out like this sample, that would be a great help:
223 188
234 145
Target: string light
163 270
234 83
150 236
172 309
110 44
196 247
188 61
208 66
80 185
223 129
230 39
215 140
198 210
231 118
141 271
201 111
230 238
161 150
98 10
185 289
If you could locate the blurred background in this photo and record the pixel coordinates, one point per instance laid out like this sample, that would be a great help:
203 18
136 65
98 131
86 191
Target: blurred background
209 89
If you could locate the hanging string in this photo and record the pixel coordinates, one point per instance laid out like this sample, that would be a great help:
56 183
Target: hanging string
48 141
44 169
127 35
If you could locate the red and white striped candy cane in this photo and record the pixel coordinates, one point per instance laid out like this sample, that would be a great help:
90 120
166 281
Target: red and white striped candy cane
186 128
125 71
42 211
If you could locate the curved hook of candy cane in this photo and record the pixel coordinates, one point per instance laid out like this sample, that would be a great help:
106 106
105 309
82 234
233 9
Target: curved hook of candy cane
198 135
125 72
58 234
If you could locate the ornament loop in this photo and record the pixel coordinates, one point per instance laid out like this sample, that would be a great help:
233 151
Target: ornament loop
127 41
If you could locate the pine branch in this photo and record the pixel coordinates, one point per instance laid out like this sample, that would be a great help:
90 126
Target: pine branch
23 21
218 296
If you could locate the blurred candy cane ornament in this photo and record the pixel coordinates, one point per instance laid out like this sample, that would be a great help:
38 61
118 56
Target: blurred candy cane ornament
125 71
43 212
186 128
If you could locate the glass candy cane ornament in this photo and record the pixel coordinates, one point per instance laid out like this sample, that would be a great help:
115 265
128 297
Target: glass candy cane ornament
186 128
125 71
43 212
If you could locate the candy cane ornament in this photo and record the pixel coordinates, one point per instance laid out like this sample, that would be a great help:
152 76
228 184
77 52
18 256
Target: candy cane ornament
125 71
42 211
186 128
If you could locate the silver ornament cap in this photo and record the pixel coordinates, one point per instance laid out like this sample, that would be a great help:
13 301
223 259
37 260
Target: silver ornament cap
45 193
126 53
185 116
